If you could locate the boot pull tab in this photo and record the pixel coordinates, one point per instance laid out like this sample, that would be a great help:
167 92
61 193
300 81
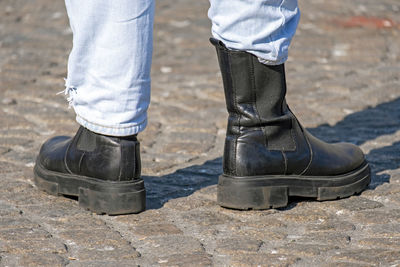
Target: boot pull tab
217 43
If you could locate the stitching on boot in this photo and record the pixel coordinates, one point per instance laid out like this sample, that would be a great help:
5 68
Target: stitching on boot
311 155
65 158
74 141
285 161
80 162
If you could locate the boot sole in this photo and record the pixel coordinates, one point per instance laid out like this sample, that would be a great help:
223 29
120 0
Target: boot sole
96 195
273 191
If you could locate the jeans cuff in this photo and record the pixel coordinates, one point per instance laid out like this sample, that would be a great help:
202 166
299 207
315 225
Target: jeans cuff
117 130
269 62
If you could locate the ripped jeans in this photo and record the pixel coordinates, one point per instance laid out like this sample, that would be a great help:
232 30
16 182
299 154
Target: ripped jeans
108 82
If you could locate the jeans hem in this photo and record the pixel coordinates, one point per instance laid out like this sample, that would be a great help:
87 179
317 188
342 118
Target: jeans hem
270 62
117 130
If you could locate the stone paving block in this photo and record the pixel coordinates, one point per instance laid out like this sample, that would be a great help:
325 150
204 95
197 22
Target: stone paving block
376 217
7 210
190 136
16 188
263 260
105 254
33 260
106 263
258 219
185 148
165 246
209 192
151 166
14 141
370 256
339 239
25 233
16 222
41 111
25 247
357 204
101 239
34 200
386 230
238 245
21 154
383 190
160 229
206 218
394 199
188 203
4 149
6 167
143 218
391 243
346 264
304 250
72 222
330 226
8 120
309 217
195 259
264 233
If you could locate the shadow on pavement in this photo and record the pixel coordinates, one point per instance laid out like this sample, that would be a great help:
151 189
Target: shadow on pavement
356 128
181 183
367 125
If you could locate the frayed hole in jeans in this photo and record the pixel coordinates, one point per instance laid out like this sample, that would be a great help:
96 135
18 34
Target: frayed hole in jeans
69 93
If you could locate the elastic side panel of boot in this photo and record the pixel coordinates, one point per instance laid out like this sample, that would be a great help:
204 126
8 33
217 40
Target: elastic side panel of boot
270 87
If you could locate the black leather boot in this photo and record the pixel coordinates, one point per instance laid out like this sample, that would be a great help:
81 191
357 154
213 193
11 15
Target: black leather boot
102 171
268 155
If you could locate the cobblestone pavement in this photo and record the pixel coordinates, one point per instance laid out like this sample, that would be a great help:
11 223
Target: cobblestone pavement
343 79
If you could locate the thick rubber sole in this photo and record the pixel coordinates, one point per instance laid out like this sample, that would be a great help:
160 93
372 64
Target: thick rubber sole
96 195
273 191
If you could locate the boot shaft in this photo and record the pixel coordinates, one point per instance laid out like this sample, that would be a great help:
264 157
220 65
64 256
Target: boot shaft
245 80
255 97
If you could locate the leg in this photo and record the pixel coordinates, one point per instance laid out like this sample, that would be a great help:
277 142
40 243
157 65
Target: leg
109 65
109 87
268 155
263 28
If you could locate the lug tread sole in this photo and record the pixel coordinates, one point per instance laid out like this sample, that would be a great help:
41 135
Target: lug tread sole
273 191
96 195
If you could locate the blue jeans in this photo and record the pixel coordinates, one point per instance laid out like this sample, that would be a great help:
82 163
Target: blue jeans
108 82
